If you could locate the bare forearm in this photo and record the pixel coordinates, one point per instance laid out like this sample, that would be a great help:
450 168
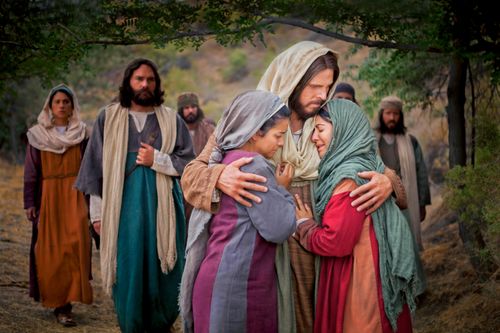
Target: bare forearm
398 188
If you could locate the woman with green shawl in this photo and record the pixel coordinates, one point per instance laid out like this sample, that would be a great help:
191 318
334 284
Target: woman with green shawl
370 271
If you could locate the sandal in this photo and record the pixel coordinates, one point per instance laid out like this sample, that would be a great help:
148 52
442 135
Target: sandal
65 319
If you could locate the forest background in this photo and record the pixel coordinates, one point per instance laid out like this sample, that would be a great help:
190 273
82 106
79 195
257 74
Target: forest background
425 52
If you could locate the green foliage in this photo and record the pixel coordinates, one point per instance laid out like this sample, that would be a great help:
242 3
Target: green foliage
237 68
417 78
474 192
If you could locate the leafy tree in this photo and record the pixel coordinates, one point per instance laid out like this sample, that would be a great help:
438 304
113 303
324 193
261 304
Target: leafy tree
40 38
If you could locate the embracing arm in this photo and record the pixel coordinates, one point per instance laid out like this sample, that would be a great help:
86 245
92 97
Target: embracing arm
380 187
274 216
200 182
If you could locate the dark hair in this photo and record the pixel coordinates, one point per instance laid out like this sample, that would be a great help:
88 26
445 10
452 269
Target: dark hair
64 91
400 126
126 92
326 61
346 88
284 112
323 113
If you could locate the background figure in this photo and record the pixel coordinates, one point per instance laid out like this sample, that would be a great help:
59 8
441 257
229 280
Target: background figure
344 90
401 152
60 244
370 271
200 128
137 149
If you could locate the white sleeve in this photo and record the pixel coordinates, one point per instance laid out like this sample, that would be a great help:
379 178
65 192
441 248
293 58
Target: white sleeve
95 208
162 163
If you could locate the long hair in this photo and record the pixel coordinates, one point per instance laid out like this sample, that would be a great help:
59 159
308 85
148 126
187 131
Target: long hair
326 61
400 125
126 91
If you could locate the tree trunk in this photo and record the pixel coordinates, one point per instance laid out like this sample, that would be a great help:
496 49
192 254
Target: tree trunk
456 111
470 231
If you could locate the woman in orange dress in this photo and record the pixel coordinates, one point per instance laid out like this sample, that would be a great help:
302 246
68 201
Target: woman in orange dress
61 244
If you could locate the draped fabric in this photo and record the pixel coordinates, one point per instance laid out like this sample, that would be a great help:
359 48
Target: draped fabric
44 136
353 149
145 297
242 119
114 157
281 78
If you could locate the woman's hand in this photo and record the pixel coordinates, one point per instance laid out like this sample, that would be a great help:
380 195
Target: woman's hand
373 194
284 174
302 211
97 227
31 214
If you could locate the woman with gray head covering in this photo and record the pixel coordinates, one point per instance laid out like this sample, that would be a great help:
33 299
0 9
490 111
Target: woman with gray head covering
230 255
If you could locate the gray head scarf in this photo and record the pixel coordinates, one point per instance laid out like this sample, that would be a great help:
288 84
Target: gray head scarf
242 119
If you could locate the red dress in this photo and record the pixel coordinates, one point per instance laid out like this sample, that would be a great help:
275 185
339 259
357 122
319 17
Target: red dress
349 297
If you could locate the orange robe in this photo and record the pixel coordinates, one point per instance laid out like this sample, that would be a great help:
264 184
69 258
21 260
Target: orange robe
62 250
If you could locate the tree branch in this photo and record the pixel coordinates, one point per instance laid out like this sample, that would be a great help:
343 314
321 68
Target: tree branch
370 43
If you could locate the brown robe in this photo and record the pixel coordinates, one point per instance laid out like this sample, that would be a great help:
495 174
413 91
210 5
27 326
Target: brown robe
62 246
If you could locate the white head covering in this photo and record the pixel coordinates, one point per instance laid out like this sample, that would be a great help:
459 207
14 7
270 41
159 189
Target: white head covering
281 77
44 135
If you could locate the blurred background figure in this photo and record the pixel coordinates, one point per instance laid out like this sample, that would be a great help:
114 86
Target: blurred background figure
344 90
401 152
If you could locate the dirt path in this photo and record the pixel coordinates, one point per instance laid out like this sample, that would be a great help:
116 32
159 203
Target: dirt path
455 301
18 312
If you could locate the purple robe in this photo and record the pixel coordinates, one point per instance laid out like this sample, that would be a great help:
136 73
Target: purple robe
235 289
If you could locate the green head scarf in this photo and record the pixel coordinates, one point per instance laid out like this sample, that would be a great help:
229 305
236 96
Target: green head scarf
353 149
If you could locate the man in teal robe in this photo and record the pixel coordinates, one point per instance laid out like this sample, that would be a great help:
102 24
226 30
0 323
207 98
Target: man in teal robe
137 152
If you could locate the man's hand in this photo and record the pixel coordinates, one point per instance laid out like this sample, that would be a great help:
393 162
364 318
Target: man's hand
31 214
284 174
236 184
302 210
373 194
145 155
97 227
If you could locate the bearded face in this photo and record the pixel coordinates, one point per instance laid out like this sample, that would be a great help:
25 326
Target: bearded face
144 97
190 113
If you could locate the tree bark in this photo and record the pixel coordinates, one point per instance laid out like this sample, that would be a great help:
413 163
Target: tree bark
456 111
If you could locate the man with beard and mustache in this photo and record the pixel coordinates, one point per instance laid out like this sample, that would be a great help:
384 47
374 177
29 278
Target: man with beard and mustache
136 154
200 127
401 152
303 77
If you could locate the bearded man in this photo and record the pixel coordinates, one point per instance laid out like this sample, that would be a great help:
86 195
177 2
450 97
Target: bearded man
303 77
401 152
200 127
137 152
